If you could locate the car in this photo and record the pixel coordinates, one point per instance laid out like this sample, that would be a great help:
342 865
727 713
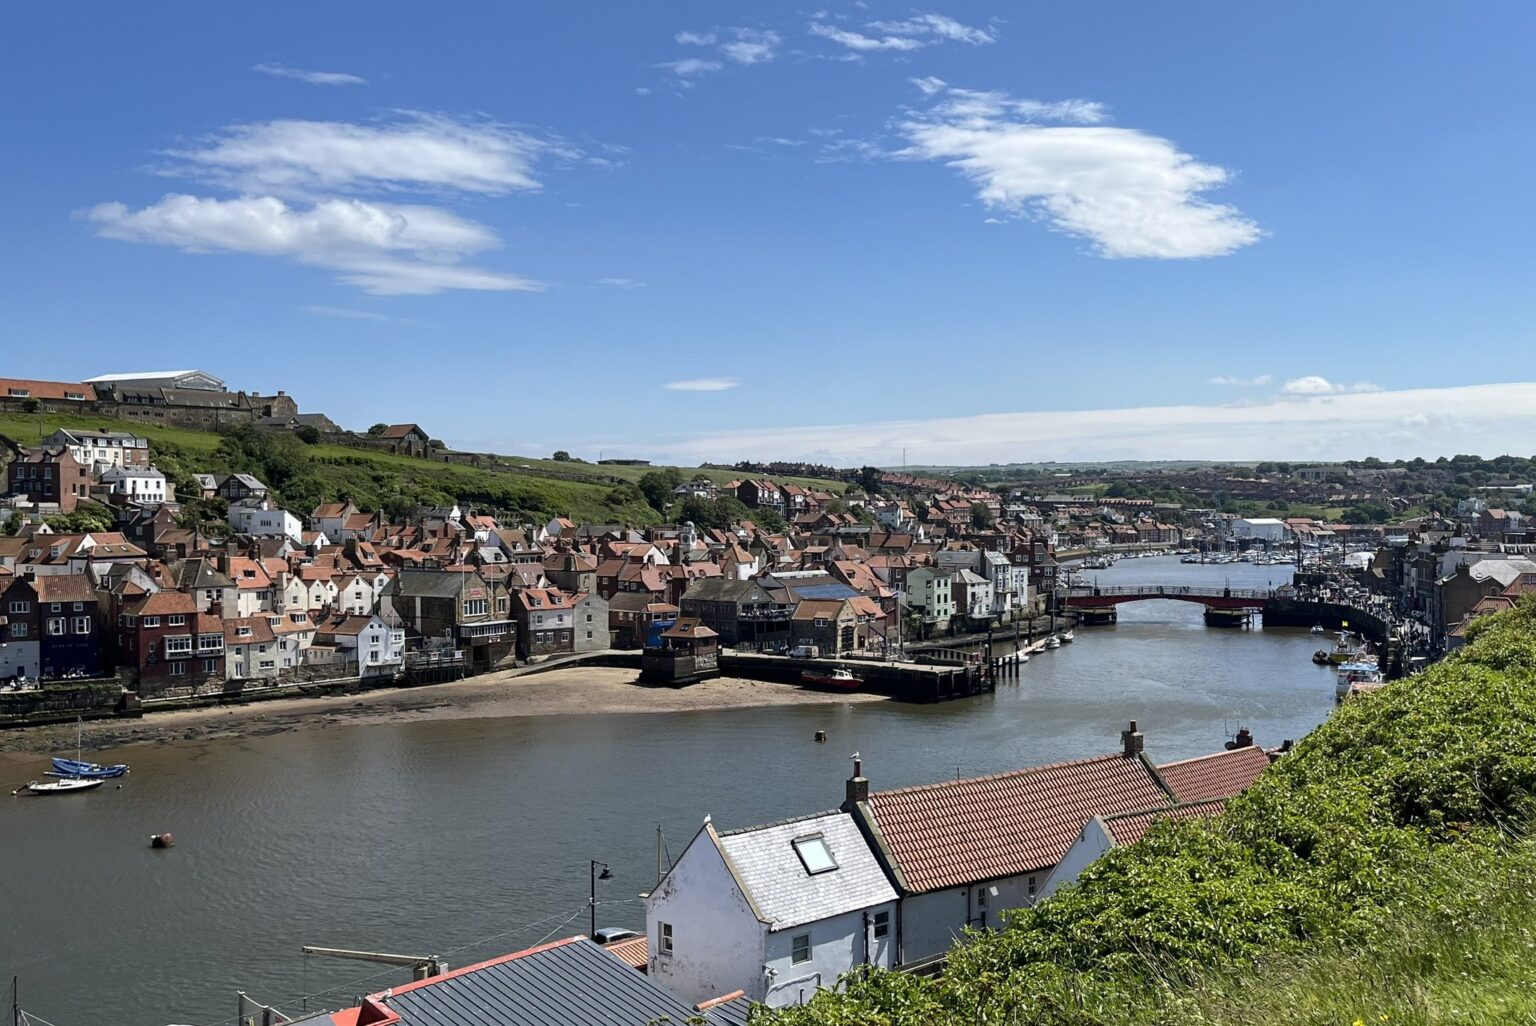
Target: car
804 652
613 934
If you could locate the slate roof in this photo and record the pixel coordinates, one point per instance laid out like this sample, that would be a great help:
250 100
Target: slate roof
1130 827
569 983
963 831
730 1010
1221 775
784 893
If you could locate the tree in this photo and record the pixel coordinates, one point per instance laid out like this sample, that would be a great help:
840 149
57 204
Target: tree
660 487
307 433
88 516
31 405
561 456
870 479
377 430
981 516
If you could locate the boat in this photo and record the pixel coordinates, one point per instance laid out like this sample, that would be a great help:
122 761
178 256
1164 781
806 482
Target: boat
1320 657
68 785
1351 674
86 770
1053 642
839 679
1318 628
1066 637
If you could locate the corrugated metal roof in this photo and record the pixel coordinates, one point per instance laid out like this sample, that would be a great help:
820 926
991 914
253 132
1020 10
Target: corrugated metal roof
573 983
729 1013
781 887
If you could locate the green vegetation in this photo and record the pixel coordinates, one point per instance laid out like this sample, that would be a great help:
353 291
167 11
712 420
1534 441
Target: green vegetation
304 473
1378 874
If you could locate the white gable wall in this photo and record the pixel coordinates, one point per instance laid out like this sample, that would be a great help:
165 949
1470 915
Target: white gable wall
717 939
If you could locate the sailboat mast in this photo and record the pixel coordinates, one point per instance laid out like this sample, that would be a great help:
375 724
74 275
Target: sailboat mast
15 1001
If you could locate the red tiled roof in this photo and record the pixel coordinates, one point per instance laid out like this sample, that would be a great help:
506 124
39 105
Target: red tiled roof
47 389
633 952
1130 827
963 831
1221 775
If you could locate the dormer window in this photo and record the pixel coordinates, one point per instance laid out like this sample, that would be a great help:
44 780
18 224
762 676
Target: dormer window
814 854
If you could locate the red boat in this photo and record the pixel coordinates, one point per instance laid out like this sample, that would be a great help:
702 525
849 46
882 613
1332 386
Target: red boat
838 679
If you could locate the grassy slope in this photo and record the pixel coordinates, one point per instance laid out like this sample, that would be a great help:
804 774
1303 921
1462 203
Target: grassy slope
1379 870
577 490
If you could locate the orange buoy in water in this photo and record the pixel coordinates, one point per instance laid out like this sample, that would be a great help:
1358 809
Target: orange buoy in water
161 840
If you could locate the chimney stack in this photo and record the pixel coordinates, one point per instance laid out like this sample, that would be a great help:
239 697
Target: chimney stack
858 787
1132 741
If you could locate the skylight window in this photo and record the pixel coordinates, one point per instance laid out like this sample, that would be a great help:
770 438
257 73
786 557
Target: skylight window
814 854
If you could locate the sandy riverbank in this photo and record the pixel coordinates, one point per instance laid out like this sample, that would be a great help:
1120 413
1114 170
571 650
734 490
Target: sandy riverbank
575 690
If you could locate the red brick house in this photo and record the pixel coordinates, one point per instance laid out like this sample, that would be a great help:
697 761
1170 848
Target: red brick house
163 642
49 477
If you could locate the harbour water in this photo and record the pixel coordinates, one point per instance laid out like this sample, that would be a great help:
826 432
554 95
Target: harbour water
472 838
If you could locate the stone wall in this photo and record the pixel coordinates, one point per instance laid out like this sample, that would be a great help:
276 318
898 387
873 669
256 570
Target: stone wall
58 702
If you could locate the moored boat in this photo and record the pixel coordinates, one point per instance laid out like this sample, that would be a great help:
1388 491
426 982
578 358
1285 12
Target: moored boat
1066 637
839 679
67 785
86 770
1053 642
1351 674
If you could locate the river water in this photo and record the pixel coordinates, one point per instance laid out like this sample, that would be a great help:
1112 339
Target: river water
469 838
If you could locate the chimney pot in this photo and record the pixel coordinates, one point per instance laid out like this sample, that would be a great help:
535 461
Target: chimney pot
1132 741
858 787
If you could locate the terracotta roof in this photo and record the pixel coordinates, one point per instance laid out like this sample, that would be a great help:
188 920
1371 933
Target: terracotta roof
47 389
259 630
64 588
1221 775
633 952
1130 827
963 831
162 603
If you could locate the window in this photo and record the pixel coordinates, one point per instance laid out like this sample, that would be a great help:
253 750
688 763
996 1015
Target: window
57 626
56 607
210 642
882 925
19 629
1031 887
78 607
800 949
475 607
178 669
151 621
21 607
176 621
178 645
664 938
242 631
210 666
267 664
814 854
82 625
981 897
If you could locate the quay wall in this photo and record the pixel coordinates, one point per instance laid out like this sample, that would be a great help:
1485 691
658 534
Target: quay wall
57 702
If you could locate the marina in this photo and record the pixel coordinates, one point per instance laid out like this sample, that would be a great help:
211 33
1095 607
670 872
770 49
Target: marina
489 823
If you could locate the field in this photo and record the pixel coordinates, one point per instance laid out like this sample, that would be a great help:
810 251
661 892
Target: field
522 485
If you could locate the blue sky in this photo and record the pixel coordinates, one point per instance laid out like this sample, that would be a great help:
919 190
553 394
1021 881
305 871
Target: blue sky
1203 231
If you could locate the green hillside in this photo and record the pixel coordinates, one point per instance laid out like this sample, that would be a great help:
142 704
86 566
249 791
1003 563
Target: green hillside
1380 874
306 475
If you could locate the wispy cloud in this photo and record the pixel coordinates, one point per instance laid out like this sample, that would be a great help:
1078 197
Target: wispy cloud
327 78
1485 419
622 283
416 150
385 249
1130 193
738 44
1233 380
691 66
702 385
929 84
860 42
1314 384
936 25
695 38
349 314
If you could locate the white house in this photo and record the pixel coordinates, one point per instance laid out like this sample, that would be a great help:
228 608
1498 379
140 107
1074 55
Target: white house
261 520
978 594
1260 529
928 591
144 485
101 448
776 911
250 649
355 596
374 647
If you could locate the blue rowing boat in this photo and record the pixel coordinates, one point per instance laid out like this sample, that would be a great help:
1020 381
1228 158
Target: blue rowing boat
85 770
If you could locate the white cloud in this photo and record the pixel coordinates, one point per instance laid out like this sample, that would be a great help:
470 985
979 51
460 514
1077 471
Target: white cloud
695 38
936 24
1485 419
1231 379
860 42
348 314
929 84
752 46
622 283
691 66
1314 384
1131 193
386 249
702 385
331 78
416 151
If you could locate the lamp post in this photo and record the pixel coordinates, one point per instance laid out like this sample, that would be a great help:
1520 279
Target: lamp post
592 901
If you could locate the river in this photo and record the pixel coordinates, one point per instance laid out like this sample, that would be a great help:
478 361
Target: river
468 838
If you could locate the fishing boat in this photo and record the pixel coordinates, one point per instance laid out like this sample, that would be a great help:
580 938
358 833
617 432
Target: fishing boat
1318 628
1066 637
67 785
86 770
1351 674
839 679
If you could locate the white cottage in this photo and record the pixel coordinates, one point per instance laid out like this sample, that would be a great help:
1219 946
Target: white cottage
777 911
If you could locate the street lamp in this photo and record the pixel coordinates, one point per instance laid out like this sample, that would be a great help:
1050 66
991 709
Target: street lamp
592 901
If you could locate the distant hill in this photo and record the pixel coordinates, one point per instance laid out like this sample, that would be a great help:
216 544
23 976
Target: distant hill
306 475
